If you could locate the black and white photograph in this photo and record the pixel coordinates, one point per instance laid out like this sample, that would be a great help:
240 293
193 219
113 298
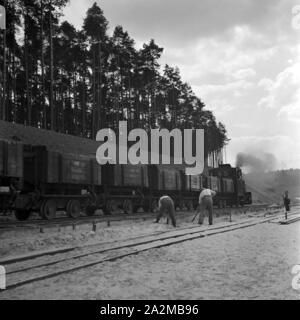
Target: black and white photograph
149 150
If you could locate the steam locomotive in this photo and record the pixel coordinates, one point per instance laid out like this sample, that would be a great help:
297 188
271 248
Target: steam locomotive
42 171
230 186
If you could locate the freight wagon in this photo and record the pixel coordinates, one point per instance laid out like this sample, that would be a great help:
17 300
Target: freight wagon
164 179
57 181
193 186
45 171
170 180
11 172
50 181
213 183
126 187
34 178
129 187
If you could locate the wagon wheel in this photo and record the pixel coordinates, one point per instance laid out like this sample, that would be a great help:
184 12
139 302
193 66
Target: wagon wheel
114 206
190 205
146 206
48 209
73 209
154 206
128 206
195 205
22 214
90 210
182 205
41 209
107 207
110 207
136 208
179 205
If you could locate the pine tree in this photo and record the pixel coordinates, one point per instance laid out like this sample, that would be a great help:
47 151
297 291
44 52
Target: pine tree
95 27
77 81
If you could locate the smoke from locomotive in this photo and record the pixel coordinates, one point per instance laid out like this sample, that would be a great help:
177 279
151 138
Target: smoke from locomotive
263 162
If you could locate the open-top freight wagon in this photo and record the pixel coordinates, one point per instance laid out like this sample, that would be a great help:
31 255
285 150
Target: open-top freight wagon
126 187
129 187
54 181
51 181
44 171
59 172
172 180
11 171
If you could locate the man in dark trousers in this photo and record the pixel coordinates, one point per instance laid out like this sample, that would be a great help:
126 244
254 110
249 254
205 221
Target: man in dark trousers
206 203
166 204
286 202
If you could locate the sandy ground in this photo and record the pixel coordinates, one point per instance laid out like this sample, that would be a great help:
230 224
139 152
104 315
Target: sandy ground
251 263
29 240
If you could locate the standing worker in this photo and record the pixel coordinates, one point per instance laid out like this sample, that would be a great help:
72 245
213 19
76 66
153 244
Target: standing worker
286 202
166 204
206 203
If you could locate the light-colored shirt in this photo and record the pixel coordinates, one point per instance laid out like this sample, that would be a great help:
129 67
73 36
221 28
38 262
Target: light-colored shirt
206 193
165 199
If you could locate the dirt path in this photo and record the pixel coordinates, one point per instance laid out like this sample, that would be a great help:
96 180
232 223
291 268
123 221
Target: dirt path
252 263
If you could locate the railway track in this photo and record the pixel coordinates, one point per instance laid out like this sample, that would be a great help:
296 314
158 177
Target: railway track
33 268
66 221
290 220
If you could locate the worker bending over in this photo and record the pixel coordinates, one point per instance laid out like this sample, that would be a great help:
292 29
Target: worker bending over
206 203
166 204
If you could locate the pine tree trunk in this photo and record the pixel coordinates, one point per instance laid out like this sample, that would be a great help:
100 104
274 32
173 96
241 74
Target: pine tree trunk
27 72
51 71
100 117
14 110
75 116
94 95
83 109
42 67
3 113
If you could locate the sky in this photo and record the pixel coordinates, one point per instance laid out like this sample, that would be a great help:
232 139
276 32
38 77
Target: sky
241 57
